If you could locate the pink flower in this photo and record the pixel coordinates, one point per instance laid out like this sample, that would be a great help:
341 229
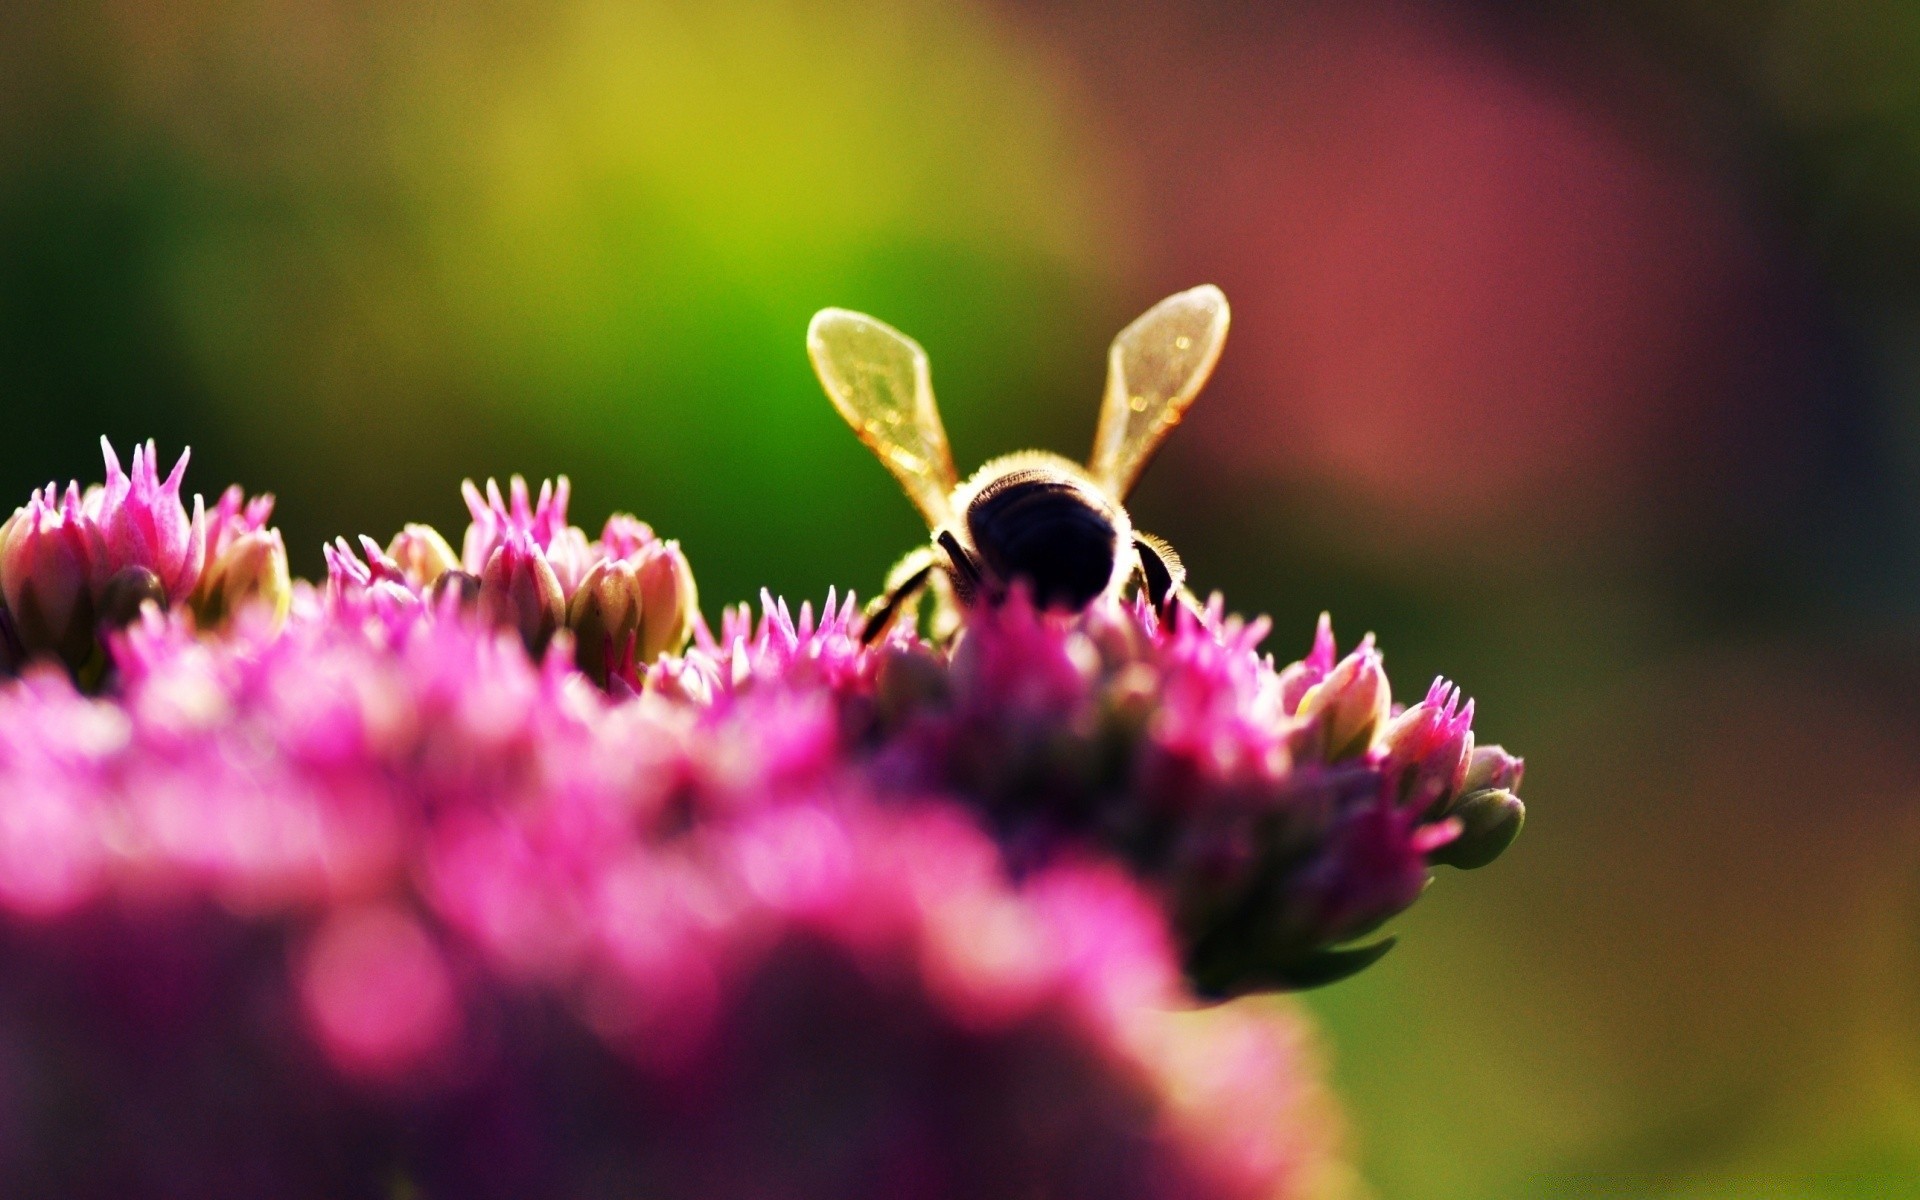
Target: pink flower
141 522
543 523
1346 709
282 887
1427 748
519 591
387 884
47 551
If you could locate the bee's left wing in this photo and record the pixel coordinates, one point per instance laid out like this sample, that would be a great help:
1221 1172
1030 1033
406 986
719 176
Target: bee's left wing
1155 368
878 378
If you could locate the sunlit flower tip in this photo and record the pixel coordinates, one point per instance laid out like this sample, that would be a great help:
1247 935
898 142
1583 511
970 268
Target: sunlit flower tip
519 590
1348 708
1493 767
668 601
251 571
422 555
1296 679
624 536
46 556
1428 745
1488 820
141 522
605 615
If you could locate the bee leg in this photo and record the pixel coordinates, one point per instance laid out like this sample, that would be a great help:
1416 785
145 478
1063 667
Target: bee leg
905 583
1161 570
967 580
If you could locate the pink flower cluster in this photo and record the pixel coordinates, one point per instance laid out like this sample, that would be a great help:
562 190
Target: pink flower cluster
74 566
626 599
501 873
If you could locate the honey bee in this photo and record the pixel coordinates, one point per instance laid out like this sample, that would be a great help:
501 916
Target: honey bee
1032 516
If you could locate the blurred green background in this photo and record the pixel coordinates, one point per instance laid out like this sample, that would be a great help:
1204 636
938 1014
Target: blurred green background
1576 352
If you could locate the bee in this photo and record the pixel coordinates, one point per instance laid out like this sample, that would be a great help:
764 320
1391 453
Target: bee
1035 517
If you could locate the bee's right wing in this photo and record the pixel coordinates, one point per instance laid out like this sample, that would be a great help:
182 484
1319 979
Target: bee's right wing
1157 365
877 377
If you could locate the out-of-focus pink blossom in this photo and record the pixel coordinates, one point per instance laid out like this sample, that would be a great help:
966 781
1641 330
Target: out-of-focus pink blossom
327 908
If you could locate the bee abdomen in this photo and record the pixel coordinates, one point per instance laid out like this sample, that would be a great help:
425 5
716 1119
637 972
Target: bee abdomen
1051 531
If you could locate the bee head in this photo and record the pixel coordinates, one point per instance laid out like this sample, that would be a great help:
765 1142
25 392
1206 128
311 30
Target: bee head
1045 523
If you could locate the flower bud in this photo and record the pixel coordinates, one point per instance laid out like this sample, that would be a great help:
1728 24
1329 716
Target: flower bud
142 523
625 536
1427 747
604 615
1489 821
45 568
459 584
125 593
1493 767
1297 679
422 555
519 590
1350 706
252 570
668 601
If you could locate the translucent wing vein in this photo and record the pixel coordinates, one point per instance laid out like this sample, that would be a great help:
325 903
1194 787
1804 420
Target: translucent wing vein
879 380
1157 365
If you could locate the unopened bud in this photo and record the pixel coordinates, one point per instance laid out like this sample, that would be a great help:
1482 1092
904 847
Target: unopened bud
126 592
625 536
1350 706
1493 767
463 587
519 590
668 601
250 571
422 555
1489 821
44 567
604 615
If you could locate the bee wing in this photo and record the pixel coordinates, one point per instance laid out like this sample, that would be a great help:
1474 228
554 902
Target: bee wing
878 378
1155 368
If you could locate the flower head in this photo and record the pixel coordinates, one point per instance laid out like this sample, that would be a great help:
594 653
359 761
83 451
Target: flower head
456 879
614 891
